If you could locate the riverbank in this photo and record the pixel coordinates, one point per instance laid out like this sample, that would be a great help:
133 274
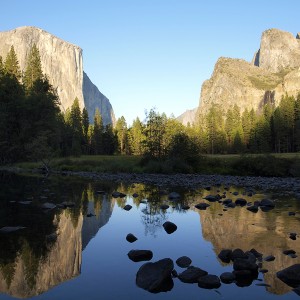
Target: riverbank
191 181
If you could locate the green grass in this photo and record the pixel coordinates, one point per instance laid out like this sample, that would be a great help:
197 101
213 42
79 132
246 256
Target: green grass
280 164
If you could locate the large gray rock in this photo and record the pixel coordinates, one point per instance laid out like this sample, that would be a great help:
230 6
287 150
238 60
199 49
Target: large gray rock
156 277
62 63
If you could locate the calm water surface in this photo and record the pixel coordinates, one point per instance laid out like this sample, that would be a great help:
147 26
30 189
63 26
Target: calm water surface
63 254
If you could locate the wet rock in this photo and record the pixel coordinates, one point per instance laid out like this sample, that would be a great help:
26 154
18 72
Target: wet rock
241 202
185 207
227 277
227 201
269 258
89 215
131 238
174 196
202 206
48 205
164 206
253 208
231 205
183 261
225 255
156 277
235 193
293 236
212 198
263 271
118 195
256 253
267 203
290 275
191 274
10 229
290 251
174 273
100 192
140 255
209 282
238 253
244 264
169 227
135 195
244 277
127 207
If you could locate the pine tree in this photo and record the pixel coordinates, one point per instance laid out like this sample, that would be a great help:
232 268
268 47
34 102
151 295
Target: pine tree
33 70
122 134
1 66
136 137
11 64
85 128
97 136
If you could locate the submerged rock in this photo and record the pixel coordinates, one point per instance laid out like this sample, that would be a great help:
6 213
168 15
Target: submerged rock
156 277
140 255
169 227
269 258
118 195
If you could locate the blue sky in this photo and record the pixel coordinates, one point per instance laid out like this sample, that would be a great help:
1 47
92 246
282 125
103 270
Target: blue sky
145 54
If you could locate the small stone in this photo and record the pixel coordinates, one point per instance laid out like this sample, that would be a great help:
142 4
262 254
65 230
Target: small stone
209 282
241 201
269 258
291 213
90 215
202 206
140 255
290 251
191 274
183 261
131 238
185 207
169 227
164 206
227 277
225 255
253 208
174 196
135 195
127 207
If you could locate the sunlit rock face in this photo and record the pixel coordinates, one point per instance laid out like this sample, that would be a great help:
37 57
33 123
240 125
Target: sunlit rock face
61 263
62 63
266 232
273 72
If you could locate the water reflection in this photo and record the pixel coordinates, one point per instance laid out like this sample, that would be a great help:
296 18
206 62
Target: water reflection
49 250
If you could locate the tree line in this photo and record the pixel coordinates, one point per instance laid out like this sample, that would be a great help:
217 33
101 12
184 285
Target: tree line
33 127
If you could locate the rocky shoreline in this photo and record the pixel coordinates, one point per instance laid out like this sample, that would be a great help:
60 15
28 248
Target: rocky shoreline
192 181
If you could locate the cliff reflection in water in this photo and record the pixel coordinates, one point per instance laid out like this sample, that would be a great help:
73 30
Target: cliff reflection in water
267 232
49 250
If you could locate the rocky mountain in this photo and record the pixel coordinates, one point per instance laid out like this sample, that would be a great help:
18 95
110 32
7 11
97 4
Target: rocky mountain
188 116
273 72
62 62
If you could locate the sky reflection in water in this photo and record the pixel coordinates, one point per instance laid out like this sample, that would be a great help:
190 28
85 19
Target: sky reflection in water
88 257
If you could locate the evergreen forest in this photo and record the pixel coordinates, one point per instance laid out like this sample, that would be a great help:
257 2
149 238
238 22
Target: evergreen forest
32 126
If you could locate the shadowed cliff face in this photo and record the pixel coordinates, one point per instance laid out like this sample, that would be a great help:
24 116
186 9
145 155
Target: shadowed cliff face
62 63
267 232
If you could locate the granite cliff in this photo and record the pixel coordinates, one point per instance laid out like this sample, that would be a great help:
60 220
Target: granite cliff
62 62
273 72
